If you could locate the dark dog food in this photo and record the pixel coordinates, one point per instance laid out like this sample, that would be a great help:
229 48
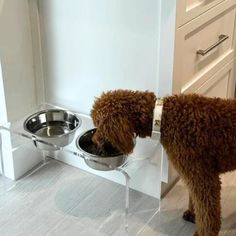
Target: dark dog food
107 150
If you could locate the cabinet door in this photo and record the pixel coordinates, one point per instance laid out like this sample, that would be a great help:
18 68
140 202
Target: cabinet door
189 9
202 47
222 84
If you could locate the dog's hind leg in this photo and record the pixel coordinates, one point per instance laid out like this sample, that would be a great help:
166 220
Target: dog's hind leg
203 183
189 214
205 193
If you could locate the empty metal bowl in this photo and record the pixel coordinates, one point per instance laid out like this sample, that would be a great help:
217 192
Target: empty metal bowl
52 129
103 161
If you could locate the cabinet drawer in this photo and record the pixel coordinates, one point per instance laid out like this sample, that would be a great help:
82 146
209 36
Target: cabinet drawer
202 34
189 9
222 84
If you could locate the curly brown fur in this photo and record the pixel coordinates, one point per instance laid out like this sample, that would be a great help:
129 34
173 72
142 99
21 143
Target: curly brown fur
198 133
120 115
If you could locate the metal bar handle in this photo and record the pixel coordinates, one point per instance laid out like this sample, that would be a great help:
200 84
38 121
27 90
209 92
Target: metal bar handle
222 38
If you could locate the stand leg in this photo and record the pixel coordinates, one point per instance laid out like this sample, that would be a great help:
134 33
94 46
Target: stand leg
7 183
1 157
44 154
127 183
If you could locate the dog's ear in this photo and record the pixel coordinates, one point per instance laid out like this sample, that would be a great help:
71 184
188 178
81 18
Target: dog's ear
119 132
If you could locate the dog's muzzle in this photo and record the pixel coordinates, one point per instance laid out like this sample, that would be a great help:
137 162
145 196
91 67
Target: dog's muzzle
156 124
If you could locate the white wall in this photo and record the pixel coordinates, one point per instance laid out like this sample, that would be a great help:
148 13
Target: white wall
166 46
92 46
88 47
1 5
17 81
3 111
17 58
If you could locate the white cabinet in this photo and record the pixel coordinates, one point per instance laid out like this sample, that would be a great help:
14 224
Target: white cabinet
222 84
189 9
202 47
203 55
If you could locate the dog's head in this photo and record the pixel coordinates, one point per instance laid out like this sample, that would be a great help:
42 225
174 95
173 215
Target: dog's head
120 116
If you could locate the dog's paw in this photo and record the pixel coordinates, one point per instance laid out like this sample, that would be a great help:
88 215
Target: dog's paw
189 216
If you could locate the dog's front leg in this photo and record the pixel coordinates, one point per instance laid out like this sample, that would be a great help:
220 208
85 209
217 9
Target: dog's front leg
189 214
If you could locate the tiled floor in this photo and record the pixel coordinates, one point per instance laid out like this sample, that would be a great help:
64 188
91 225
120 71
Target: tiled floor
63 200
60 200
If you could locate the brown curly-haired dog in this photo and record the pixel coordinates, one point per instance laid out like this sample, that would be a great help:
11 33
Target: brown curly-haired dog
198 133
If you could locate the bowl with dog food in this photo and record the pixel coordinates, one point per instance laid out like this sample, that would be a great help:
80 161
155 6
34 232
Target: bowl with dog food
103 158
53 128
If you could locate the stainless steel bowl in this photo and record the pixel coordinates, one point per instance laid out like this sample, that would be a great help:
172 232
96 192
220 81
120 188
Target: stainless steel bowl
52 129
98 162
